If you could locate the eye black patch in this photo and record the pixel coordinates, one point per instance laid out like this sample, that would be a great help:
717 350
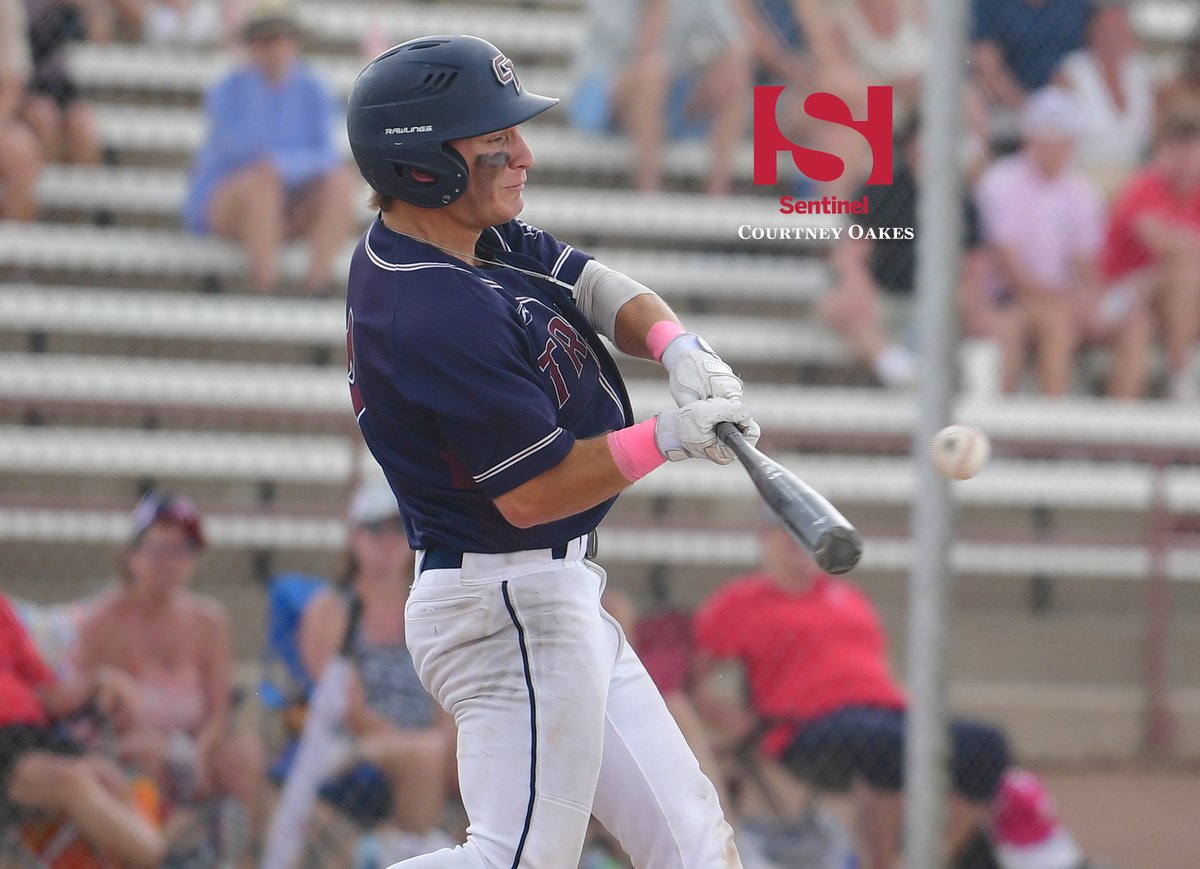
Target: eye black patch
495 160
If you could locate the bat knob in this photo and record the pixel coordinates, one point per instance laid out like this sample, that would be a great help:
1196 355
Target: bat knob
839 550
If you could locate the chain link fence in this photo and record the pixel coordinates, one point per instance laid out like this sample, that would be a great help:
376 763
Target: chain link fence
172 320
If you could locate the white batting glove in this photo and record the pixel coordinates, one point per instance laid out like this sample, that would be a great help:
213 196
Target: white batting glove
690 432
697 372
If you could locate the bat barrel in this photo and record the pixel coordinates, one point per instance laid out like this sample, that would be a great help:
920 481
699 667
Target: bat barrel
816 525
838 550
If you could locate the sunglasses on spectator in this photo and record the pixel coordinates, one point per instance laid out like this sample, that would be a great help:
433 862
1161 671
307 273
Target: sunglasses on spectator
391 525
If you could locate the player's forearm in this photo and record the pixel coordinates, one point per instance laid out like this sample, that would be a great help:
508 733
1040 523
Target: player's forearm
634 320
588 476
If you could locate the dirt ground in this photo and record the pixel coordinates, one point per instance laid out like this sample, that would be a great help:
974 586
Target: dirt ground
1138 818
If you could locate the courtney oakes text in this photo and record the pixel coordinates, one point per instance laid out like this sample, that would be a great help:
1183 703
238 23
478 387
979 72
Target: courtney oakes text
825 233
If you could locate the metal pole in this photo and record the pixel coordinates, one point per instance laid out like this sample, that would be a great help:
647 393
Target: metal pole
938 267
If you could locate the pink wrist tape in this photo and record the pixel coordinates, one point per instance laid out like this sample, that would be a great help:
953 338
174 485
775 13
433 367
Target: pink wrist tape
634 450
660 335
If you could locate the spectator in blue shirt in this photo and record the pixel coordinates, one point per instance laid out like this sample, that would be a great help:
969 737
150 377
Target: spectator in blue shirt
269 170
1018 45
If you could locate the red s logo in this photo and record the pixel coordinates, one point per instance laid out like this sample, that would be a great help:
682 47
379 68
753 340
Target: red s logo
876 128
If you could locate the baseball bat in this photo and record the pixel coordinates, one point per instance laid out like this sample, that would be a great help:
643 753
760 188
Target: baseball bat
808 516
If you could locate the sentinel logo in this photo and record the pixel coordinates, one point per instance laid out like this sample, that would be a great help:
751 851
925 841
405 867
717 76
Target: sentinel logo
822 166
400 131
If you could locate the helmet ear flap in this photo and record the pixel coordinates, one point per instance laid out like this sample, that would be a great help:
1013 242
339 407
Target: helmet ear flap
449 177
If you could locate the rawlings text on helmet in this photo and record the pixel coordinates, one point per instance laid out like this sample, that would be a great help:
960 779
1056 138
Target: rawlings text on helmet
505 72
400 131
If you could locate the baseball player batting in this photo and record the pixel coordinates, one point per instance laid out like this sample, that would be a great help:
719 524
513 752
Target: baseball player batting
482 387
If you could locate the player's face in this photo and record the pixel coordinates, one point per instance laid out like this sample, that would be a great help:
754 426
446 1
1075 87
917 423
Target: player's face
163 560
496 164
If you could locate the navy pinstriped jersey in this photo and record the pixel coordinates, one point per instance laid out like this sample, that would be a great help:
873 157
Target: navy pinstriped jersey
468 382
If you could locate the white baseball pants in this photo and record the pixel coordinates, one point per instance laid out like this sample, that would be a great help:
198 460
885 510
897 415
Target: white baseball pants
557 720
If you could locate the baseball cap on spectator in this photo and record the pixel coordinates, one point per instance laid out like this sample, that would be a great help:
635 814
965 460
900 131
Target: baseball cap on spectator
269 18
177 510
1051 113
372 502
1026 830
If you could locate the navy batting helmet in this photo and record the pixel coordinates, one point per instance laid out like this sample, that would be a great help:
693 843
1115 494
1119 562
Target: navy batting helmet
414 98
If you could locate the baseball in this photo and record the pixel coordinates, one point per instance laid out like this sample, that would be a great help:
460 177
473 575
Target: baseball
960 451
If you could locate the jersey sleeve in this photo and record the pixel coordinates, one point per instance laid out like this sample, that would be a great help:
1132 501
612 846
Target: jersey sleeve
561 261
469 363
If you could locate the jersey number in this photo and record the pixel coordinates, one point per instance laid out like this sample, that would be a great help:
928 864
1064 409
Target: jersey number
563 337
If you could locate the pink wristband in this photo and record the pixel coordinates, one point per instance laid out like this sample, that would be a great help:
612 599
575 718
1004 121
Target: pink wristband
660 335
634 450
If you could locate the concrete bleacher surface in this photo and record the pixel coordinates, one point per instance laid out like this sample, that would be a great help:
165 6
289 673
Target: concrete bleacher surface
115 372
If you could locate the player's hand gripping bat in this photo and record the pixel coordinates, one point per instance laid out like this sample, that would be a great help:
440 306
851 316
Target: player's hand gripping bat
815 524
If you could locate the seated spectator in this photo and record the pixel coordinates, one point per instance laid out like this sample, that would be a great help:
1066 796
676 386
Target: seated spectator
865 269
816 666
888 43
1017 45
175 644
1152 247
399 732
665 68
1043 221
790 39
801 45
20 153
1113 84
269 170
43 769
54 108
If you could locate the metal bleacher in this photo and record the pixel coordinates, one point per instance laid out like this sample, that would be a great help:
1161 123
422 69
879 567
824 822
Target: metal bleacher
129 356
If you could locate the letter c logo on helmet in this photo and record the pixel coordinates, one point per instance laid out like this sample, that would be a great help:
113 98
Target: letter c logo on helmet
422 94
505 73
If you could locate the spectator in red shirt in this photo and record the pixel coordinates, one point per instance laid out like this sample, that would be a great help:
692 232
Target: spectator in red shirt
42 769
1152 248
815 660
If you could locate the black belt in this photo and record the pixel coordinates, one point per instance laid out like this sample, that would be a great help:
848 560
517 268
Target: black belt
445 558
